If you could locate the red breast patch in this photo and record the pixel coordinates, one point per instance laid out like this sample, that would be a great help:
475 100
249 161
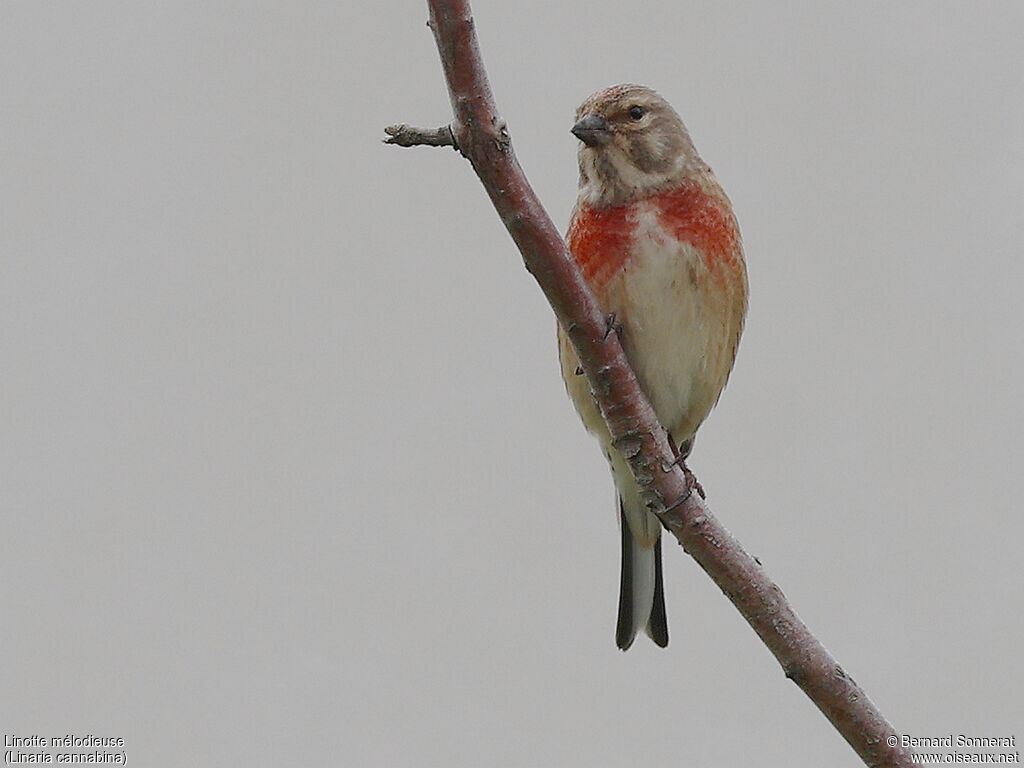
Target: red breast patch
703 220
600 238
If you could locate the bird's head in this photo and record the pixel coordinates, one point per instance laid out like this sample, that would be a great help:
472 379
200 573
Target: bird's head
633 145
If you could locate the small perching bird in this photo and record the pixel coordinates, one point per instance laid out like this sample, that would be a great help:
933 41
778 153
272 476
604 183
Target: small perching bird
656 239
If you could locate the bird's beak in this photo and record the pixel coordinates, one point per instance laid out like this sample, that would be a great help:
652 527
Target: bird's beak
592 130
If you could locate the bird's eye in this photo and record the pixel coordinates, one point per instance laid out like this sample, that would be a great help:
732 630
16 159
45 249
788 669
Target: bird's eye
636 112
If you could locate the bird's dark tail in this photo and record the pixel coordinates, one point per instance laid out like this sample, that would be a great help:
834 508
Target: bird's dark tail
641 590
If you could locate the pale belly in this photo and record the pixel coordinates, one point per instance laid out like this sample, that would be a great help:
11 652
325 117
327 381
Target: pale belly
680 326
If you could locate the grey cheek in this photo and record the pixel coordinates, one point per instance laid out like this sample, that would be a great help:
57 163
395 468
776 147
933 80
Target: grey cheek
643 157
647 160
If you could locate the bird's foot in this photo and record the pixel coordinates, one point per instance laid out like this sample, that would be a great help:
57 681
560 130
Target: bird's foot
692 484
681 452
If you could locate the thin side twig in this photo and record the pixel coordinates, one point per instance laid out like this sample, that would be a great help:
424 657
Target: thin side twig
480 134
407 136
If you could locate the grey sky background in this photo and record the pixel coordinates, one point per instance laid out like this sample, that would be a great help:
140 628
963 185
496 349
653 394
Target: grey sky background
288 474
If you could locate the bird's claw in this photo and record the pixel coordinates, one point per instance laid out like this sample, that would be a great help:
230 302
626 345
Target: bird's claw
610 325
692 484
680 461
678 502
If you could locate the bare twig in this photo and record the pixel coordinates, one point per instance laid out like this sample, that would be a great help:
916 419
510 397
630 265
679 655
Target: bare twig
406 136
480 135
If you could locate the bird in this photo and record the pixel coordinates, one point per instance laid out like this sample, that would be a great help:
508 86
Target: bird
655 238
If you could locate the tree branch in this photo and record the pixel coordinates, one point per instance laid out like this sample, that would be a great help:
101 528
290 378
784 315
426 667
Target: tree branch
480 135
